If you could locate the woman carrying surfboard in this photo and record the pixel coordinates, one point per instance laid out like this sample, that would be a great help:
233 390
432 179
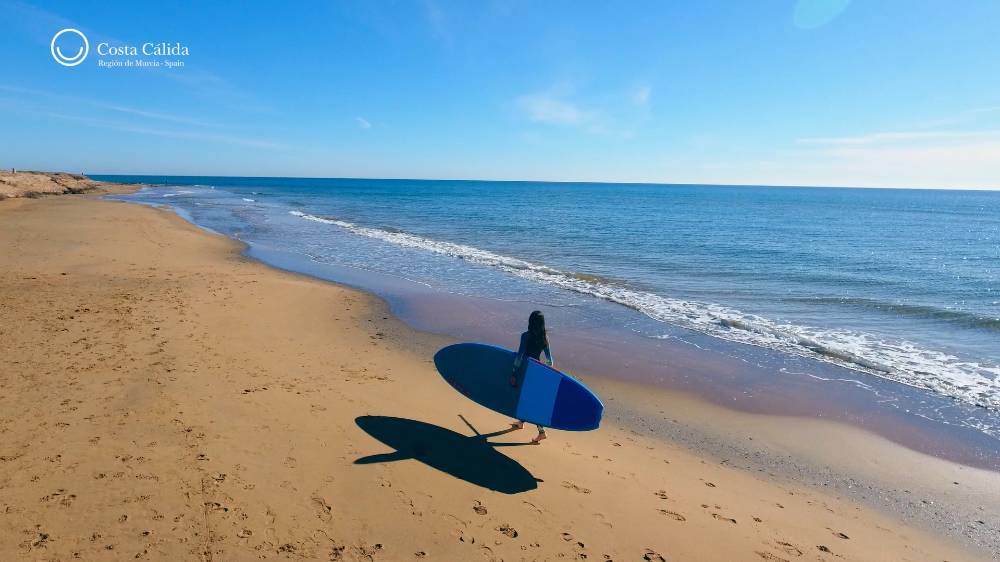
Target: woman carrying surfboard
534 343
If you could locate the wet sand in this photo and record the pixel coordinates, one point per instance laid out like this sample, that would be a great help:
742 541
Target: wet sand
163 397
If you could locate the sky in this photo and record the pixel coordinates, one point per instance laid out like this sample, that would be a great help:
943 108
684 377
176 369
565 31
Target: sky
880 93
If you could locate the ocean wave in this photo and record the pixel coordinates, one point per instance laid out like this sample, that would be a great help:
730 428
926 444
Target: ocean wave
175 194
900 361
961 318
248 200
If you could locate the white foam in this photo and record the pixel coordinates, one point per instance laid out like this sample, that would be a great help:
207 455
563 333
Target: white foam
900 361
176 193
249 200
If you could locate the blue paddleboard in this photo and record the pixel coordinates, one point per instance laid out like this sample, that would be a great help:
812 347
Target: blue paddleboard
543 396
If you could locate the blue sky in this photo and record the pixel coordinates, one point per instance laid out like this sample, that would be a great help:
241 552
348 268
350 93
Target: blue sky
779 92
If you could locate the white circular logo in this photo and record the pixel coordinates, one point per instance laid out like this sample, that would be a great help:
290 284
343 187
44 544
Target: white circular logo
70 42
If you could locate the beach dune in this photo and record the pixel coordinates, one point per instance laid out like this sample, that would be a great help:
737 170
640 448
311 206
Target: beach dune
37 184
164 398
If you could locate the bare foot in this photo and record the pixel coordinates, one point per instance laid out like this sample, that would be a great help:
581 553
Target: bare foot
517 425
538 438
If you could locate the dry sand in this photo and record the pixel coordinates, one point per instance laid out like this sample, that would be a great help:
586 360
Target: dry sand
164 398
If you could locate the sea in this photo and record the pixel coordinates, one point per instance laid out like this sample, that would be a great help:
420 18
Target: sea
862 300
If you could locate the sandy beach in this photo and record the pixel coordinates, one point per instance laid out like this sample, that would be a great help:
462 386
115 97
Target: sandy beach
164 398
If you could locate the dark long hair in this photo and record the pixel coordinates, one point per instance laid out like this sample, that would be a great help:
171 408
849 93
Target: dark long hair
536 327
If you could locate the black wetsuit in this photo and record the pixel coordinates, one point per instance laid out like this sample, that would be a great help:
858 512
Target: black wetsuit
531 348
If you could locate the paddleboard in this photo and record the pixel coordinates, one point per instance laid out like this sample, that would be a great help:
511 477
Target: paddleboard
543 396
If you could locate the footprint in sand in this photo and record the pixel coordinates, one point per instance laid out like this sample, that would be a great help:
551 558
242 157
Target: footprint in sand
770 557
724 518
574 487
479 508
323 509
40 540
789 548
567 537
534 507
662 494
604 520
508 530
653 556
838 534
673 515
369 551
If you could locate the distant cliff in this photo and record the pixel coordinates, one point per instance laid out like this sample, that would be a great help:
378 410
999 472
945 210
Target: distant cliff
38 184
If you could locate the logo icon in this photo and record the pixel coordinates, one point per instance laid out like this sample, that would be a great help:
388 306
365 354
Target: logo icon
73 38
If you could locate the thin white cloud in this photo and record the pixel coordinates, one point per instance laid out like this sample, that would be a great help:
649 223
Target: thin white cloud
206 137
438 20
811 14
938 159
895 137
23 104
612 116
940 162
363 123
947 157
640 96
190 135
989 109
547 108
154 115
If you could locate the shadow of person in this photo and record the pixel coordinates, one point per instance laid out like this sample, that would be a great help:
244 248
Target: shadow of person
470 458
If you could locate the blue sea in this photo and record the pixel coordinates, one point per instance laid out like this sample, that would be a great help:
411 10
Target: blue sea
896 286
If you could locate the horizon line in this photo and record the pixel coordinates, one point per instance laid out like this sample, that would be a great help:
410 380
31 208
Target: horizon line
590 182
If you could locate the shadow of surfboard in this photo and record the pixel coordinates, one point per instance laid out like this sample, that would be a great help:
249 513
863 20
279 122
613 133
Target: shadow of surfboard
470 458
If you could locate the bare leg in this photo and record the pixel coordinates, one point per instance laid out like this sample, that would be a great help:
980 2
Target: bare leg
541 435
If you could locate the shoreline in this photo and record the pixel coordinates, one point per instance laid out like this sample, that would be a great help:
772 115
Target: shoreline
602 337
810 466
562 456
924 497
747 386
